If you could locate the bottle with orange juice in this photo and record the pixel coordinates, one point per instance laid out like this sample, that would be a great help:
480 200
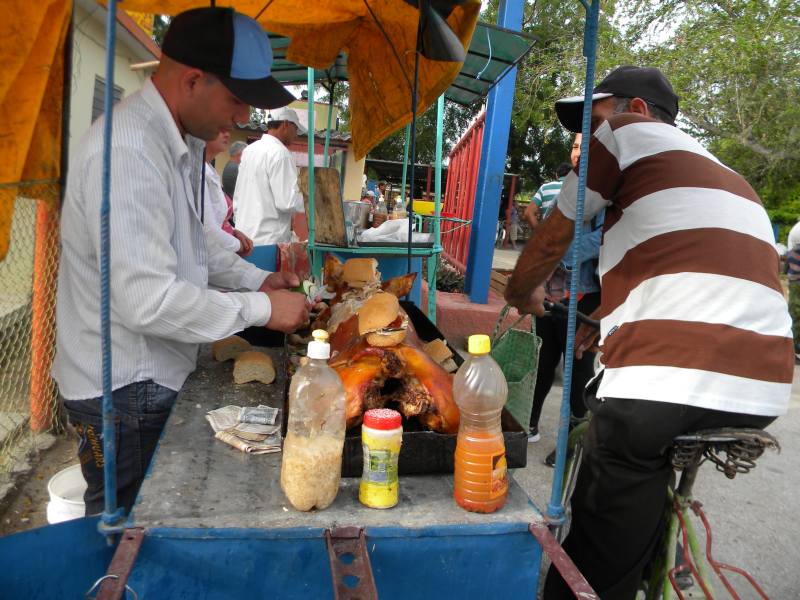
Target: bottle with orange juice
480 391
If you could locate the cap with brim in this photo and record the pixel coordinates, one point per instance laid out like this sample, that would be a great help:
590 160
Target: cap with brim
231 46
287 114
570 110
262 93
647 83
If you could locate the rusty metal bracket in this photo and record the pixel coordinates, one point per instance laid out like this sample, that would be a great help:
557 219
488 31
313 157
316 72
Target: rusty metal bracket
350 567
114 584
562 562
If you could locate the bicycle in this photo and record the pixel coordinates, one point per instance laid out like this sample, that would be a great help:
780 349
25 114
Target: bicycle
733 451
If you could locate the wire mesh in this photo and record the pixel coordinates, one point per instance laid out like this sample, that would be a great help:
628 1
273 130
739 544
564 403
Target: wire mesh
28 398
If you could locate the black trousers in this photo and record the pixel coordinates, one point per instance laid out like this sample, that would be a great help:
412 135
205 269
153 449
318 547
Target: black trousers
620 495
553 331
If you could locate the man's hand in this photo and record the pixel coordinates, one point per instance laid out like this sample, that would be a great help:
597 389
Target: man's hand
245 243
533 304
280 280
289 310
587 337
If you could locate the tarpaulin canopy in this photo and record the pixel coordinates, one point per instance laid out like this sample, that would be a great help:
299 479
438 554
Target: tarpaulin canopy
32 76
380 70
491 53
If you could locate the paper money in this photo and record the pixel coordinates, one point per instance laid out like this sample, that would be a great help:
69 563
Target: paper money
260 415
248 447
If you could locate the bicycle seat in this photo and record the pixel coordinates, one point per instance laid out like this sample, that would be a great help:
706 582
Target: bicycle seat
733 450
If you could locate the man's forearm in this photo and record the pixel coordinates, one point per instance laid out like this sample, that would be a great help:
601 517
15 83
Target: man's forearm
540 257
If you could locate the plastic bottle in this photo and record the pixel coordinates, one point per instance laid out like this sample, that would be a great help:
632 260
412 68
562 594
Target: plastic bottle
381 212
381 437
480 391
312 451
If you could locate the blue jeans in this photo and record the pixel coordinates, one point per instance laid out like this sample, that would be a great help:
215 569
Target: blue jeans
142 410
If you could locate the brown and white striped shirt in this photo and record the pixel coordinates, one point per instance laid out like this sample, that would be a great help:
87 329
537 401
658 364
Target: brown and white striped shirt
693 308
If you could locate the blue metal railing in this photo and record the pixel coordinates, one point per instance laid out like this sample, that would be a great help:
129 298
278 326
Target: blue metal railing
555 509
112 514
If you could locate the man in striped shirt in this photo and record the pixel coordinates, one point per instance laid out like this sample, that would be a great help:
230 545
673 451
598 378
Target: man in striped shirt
691 339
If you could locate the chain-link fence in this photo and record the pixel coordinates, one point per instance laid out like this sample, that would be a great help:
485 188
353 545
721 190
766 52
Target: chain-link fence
28 400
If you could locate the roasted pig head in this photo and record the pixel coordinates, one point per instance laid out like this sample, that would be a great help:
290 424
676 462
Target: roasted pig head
402 374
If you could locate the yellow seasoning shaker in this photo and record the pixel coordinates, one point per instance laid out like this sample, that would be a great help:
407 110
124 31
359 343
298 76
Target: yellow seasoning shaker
381 436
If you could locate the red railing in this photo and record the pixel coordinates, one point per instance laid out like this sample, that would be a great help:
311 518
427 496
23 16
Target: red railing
459 199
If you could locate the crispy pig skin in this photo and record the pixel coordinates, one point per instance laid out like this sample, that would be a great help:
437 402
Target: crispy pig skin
423 389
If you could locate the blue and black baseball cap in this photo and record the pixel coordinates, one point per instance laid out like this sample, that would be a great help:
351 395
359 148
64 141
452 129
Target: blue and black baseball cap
231 46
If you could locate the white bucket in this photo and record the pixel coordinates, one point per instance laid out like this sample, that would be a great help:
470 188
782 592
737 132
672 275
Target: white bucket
66 490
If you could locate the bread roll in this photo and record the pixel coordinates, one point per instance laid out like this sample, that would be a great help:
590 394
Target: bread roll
253 366
449 365
229 348
438 350
359 272
377 312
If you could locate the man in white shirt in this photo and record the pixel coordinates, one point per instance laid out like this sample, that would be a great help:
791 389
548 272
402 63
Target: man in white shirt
266 194
161 263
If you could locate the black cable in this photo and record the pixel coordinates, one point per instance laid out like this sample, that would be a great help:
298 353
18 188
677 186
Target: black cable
203 189
391 45
261 12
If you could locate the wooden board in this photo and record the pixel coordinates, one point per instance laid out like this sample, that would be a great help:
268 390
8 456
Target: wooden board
498 282
328 209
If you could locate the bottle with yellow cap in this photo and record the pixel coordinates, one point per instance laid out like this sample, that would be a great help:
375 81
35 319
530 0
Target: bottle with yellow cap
480 391
311 465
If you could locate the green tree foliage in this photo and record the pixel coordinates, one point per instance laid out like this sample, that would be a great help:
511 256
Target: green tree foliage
456 120
736 66
554 69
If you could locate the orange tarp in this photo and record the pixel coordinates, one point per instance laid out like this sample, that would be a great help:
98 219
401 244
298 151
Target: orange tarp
380 95
31 84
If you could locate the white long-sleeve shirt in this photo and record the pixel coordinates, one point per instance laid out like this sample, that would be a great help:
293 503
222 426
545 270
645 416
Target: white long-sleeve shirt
160 262
216 211
266 193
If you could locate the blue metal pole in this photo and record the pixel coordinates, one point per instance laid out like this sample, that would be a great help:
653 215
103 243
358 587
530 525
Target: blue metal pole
111 514
491 169
555 509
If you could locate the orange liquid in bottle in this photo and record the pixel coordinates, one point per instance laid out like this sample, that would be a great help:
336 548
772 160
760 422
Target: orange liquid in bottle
481 474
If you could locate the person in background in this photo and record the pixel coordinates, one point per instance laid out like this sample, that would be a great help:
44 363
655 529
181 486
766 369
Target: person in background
266 194
382 190
218 206
513 226
552 328
161 263
545 196
793 240
793 275
231 170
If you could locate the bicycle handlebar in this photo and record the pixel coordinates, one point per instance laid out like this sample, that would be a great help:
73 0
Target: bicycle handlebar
557 307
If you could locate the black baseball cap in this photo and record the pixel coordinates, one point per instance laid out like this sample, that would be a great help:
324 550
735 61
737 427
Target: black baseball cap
647 83
231 46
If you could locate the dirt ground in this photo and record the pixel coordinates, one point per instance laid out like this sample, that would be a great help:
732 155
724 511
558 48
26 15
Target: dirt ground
26 507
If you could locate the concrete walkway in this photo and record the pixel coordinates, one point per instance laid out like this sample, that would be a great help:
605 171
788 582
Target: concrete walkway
505 259
754 517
